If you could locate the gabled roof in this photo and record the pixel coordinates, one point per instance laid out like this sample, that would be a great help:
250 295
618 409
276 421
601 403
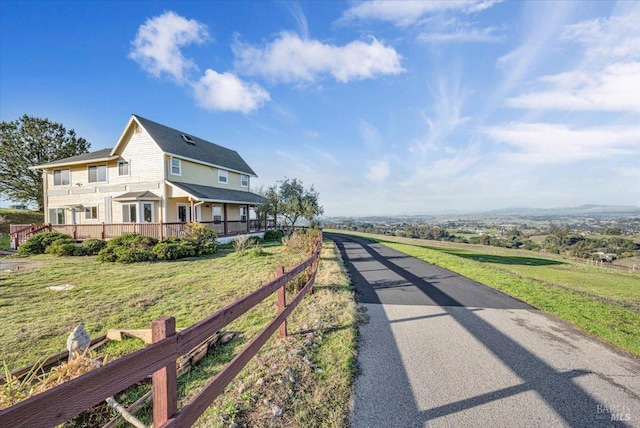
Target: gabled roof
172 142
216 194
97 156
143 195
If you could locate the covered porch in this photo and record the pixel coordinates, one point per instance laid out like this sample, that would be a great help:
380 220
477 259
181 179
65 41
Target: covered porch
225 211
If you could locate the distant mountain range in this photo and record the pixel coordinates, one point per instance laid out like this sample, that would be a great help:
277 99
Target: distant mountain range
580 210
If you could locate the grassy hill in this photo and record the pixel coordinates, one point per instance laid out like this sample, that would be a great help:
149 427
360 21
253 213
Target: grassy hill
9 216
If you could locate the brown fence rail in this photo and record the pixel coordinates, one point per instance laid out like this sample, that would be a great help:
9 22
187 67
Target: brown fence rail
21 232
65 401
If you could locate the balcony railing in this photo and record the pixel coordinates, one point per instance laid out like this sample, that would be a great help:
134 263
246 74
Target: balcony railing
20 233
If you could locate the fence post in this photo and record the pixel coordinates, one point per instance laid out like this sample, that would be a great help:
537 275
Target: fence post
310 270
282 302
102 233
165 384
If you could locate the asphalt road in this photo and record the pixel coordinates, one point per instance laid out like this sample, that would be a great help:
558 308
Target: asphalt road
442 350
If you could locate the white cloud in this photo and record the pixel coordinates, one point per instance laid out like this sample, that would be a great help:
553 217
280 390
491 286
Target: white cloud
157 48
461 35
614 37
301 20
549 144
159 40
616 88
225 91
377 171
408 12
292 59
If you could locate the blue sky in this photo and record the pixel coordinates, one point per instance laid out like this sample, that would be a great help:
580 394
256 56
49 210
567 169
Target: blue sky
385 107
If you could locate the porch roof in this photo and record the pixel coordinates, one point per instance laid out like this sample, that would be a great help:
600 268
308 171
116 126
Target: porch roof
143 195
216 194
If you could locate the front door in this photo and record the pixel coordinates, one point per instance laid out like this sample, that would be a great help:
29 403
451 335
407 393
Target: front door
184 213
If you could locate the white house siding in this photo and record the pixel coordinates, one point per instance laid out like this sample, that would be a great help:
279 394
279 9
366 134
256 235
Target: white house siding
144 156
204 175
145 173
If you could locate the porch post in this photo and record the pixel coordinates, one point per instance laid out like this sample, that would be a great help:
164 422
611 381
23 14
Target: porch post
248 221
226 228
193 210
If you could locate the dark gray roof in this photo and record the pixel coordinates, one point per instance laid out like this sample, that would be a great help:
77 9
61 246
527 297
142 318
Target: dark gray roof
170 141
217 194
85 157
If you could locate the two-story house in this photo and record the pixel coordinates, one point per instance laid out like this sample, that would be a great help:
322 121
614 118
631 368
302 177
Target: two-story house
155 176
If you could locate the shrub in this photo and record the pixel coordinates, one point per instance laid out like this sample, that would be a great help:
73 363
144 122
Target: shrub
174 249
133 255
301 241
241 243
208 248
93 246
62 247
37 244
273 235
255 251
128 248
202 238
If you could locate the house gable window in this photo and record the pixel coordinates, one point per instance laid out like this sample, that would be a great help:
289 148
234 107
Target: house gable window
223 176
244 180
56 216
129 213
176 167
91 213
123 168
97 173
61 177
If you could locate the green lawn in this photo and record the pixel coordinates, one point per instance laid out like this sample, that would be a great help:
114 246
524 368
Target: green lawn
36 322
622 287
597 300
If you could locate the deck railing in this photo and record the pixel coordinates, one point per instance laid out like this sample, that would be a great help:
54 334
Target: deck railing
63 402
20 233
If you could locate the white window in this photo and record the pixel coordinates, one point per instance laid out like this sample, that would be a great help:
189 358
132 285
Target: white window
61 177
217 213
176 167
243 214
129 213
147 212
123 168
97 174
56 216
223 177
244 180
91 213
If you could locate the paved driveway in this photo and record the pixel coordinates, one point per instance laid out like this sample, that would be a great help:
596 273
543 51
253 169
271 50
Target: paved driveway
442 350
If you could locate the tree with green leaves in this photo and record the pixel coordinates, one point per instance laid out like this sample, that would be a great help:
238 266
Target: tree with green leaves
31 141
291 200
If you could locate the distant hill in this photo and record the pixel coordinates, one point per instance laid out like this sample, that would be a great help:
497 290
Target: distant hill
579 210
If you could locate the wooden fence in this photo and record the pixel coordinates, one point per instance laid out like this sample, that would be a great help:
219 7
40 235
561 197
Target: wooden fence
65 401
21 232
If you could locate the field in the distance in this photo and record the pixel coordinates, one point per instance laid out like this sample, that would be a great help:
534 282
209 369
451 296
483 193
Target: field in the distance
601 301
